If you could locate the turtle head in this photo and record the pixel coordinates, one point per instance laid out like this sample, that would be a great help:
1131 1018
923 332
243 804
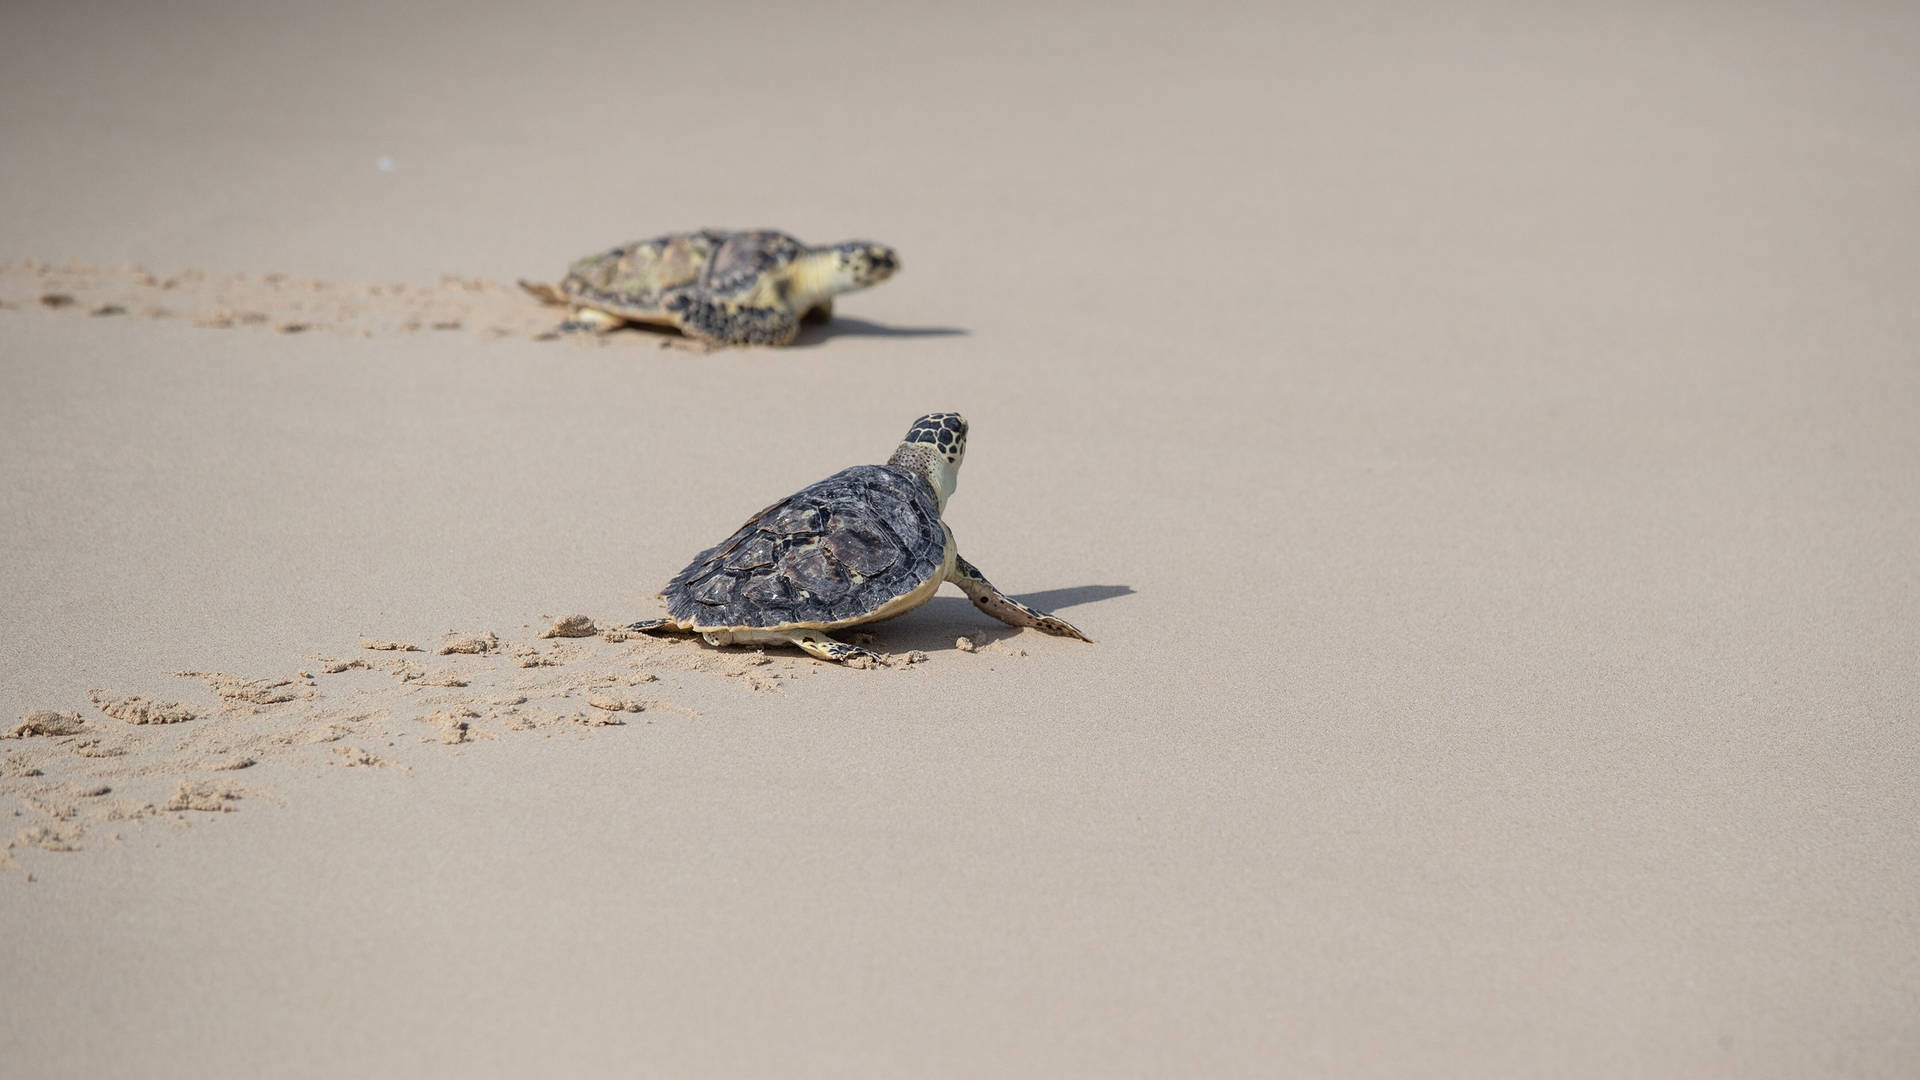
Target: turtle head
860 263
934 448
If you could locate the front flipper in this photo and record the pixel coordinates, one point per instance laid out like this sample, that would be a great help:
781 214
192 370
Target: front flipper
739 325
1004 607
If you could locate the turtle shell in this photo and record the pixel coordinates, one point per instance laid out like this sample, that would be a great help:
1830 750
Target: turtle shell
834 552
664 275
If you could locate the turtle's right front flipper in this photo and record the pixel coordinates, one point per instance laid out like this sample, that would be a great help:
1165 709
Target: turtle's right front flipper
1004 607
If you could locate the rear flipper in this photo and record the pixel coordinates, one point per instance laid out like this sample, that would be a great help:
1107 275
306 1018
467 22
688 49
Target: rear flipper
546 294
584 321
816 643
590 321
823 647
1004 607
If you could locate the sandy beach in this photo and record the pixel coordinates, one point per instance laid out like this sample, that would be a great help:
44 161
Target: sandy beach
1481 445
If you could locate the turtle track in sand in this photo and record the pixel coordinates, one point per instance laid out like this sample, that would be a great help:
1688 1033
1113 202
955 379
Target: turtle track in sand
287 304
85 772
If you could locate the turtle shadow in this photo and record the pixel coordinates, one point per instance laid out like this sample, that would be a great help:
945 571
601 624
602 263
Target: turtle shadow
811 333
936 625
817 333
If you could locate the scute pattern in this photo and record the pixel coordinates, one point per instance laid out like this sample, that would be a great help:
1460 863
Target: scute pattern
834 551
745 257
681 275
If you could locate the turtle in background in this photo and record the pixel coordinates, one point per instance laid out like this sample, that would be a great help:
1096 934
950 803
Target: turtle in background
865 544
724 288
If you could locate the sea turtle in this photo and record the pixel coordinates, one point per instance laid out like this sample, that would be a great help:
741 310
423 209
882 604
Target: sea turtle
865 544
725 288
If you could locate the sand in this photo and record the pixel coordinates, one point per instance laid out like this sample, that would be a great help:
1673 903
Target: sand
488 311
1479 442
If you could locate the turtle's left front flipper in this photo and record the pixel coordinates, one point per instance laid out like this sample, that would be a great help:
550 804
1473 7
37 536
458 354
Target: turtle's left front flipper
1004 607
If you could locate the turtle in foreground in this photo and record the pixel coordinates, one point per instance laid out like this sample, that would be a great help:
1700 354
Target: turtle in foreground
724 288
865 544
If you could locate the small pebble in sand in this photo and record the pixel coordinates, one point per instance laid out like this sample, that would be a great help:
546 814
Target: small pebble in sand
964 644
55 300
291 327
469 644
108 309
45 722
570 626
